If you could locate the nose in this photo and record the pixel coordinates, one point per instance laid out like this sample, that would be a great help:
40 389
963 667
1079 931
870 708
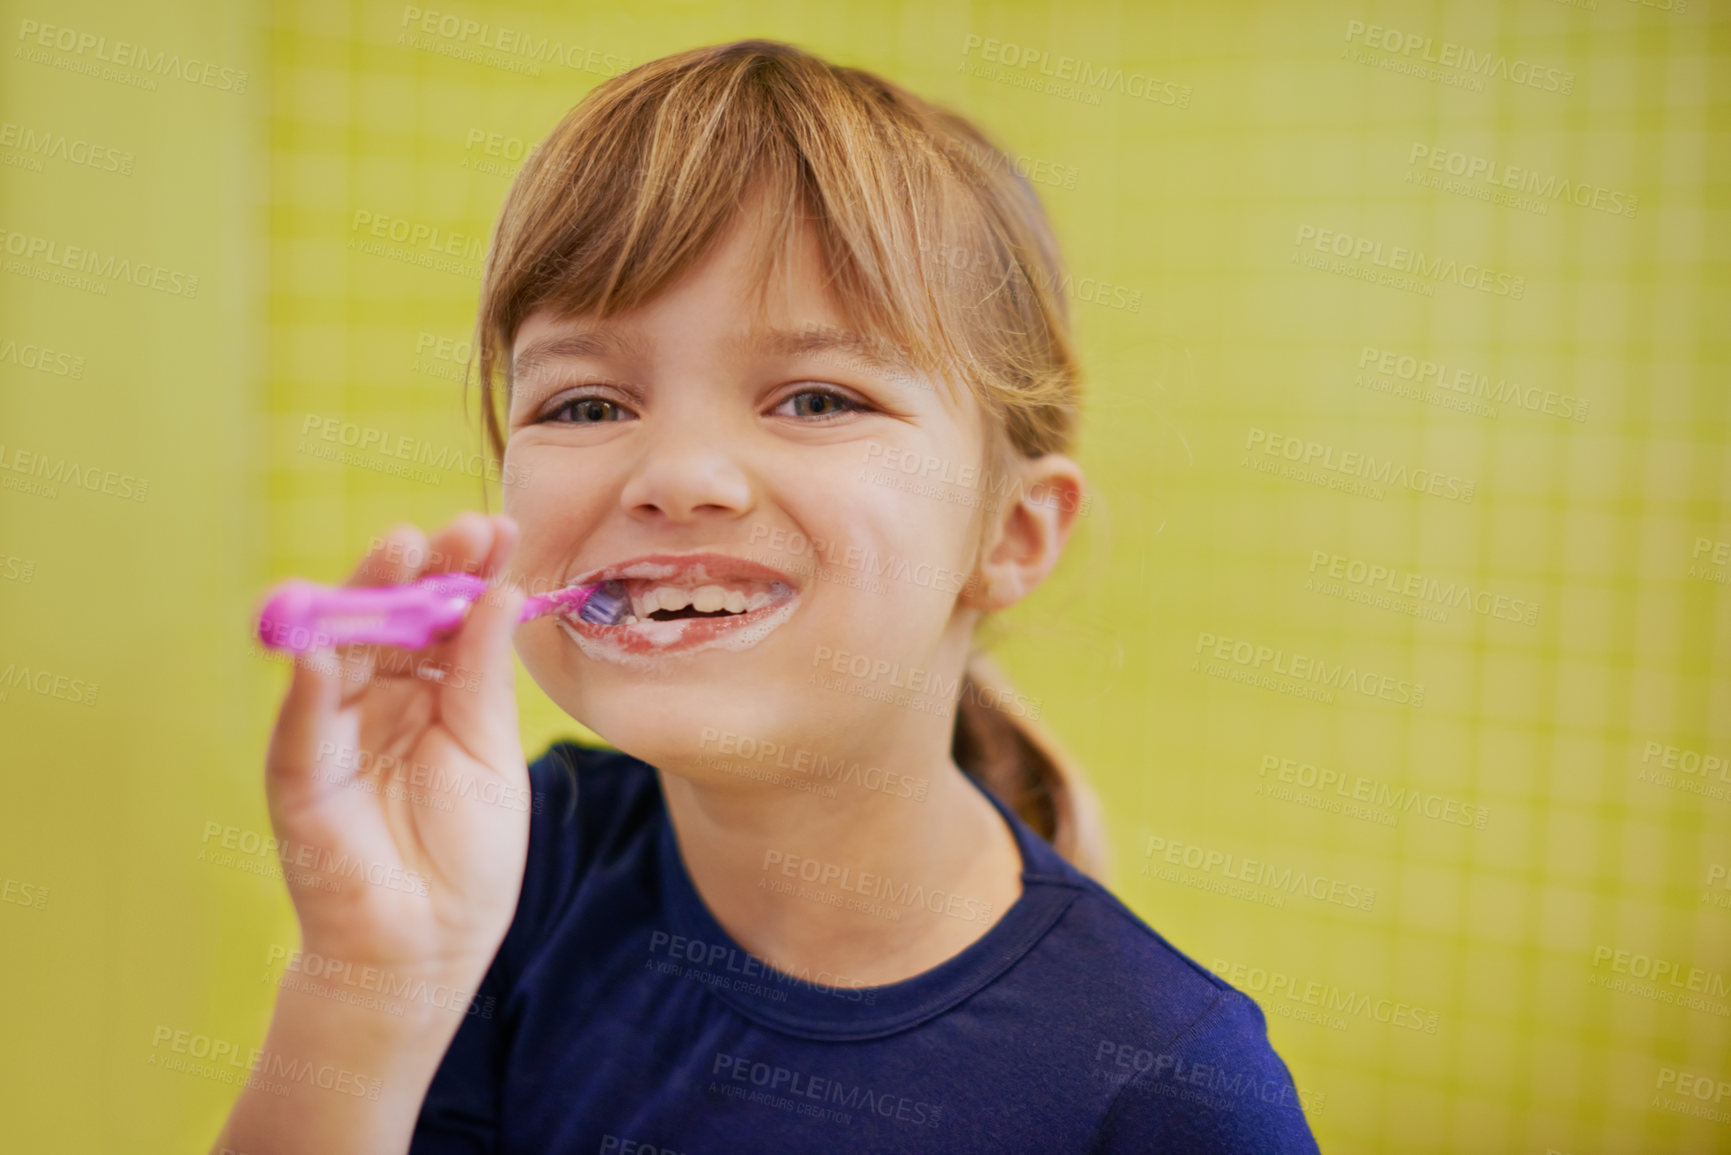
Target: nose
690 470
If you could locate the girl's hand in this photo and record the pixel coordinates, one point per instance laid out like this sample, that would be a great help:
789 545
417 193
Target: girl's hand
397 785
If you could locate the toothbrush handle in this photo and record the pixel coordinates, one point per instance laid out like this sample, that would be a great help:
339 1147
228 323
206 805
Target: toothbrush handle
301 616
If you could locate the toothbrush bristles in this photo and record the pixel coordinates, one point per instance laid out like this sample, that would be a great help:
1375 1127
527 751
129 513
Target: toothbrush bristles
606 606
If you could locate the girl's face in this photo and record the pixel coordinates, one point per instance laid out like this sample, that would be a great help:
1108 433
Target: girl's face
718 461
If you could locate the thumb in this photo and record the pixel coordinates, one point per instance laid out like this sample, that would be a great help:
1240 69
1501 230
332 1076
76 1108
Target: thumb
307 717
479 701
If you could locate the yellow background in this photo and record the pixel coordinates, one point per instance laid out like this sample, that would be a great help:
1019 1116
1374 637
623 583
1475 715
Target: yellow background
1193 212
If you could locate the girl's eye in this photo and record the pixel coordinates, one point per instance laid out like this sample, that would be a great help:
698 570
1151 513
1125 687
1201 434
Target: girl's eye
814 405
587 411
821 404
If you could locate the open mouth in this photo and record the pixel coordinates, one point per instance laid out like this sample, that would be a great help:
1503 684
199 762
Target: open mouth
685 603
661 601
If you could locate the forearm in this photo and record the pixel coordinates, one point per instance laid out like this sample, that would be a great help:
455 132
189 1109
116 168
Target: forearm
335 1079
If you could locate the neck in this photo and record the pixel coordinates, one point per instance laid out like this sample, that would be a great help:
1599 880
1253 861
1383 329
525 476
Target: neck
867 885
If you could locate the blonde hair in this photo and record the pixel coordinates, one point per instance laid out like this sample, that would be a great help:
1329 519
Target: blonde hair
934 242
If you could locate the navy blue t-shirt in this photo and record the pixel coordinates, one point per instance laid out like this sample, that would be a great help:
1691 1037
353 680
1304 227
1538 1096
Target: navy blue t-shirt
625 1020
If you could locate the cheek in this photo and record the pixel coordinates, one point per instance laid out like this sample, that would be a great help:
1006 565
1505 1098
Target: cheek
518 496
892 554
922 522
551 494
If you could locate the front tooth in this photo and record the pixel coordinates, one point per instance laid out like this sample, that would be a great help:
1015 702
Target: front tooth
757 600
734 603
672 598
708 599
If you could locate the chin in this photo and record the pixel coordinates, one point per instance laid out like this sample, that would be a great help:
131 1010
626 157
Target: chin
696 730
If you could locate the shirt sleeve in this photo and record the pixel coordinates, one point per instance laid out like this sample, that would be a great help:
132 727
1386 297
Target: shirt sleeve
461 1113
1219 1089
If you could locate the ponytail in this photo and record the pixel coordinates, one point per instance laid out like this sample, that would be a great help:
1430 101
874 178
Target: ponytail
1022 765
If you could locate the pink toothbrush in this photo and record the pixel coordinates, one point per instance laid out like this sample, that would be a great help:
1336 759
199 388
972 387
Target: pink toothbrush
300 616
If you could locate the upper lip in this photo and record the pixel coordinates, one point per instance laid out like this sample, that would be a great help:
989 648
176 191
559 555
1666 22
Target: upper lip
687 568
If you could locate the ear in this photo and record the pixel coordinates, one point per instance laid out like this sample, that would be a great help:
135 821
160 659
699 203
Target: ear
1026 534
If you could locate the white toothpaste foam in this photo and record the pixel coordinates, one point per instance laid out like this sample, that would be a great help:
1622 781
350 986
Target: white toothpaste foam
669 633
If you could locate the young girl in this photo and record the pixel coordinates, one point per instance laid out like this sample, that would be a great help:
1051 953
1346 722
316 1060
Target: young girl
781 348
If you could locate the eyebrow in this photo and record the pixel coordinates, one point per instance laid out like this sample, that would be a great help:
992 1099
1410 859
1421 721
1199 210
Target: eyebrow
585 343
813 340
820 339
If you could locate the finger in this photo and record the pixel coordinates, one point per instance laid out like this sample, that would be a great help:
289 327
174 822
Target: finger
324 677
392 560
402 554
505 538
482 712
307 712
461 546
396 557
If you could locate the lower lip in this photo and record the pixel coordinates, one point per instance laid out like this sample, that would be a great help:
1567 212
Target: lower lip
646 638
